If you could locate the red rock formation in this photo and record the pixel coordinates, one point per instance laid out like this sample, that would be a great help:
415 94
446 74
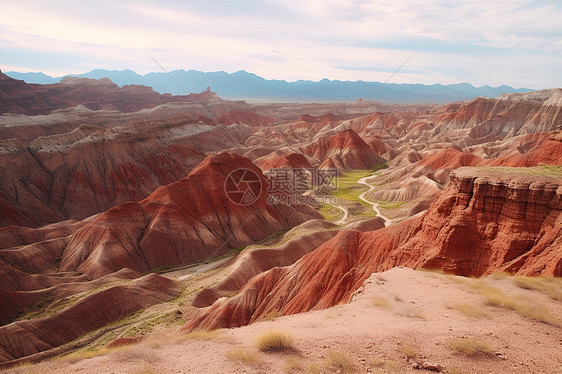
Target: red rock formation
324 119
27 337
346 149
276 160
245 118
19 97
378 145
450 159
91 169
374 121
485 223
17 236
535 150
186 221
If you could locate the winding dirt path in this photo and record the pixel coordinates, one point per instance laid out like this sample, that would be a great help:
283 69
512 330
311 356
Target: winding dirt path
345 213
375 205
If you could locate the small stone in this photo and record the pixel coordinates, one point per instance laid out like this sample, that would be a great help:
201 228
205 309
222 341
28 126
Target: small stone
432 366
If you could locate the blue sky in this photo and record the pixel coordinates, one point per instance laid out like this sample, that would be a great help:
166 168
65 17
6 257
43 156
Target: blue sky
494 42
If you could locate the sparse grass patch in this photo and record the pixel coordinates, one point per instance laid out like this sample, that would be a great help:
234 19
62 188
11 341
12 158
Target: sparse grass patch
499 275
381 302
293 364
349 189
390 205
524 306
409 351
432 270
86 354
275 341
146 370
530 309
543 170
458 279
549 286
137 352
272 316
340 361
149 324
203 334
313 369
330 213
470 310
244 356
411 311
470 347
390 367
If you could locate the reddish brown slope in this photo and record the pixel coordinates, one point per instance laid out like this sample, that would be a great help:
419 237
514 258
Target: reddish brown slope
547 149
25 338
19 97
186 221
346 149
276 160
483 224
189 220
449 159
91 169
245 118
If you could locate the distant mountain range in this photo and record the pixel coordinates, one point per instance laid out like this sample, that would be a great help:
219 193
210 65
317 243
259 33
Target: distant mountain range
249 86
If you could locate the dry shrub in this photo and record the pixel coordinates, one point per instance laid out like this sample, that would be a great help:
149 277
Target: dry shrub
409 351
340 361
202 335
381 302
524 306
244 356
470 310
293 364
549 286
275 341
470 347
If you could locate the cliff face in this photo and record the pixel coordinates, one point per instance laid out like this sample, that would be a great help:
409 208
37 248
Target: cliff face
495 220
488 220
346 150
91 169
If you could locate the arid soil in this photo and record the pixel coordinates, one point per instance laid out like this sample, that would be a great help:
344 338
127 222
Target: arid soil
401 317
124 217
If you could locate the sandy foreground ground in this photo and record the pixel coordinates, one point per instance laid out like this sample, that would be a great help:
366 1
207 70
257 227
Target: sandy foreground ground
401 318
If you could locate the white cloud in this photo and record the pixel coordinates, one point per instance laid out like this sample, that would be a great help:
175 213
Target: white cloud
481 41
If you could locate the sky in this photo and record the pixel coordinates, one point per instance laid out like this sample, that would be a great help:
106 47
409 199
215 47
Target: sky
493 42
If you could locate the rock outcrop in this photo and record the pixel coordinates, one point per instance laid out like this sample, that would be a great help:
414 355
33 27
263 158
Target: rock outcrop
190 220
186 221
489 220
346 150
91 169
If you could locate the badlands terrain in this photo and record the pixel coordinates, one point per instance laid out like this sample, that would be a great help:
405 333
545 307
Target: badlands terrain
143 233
